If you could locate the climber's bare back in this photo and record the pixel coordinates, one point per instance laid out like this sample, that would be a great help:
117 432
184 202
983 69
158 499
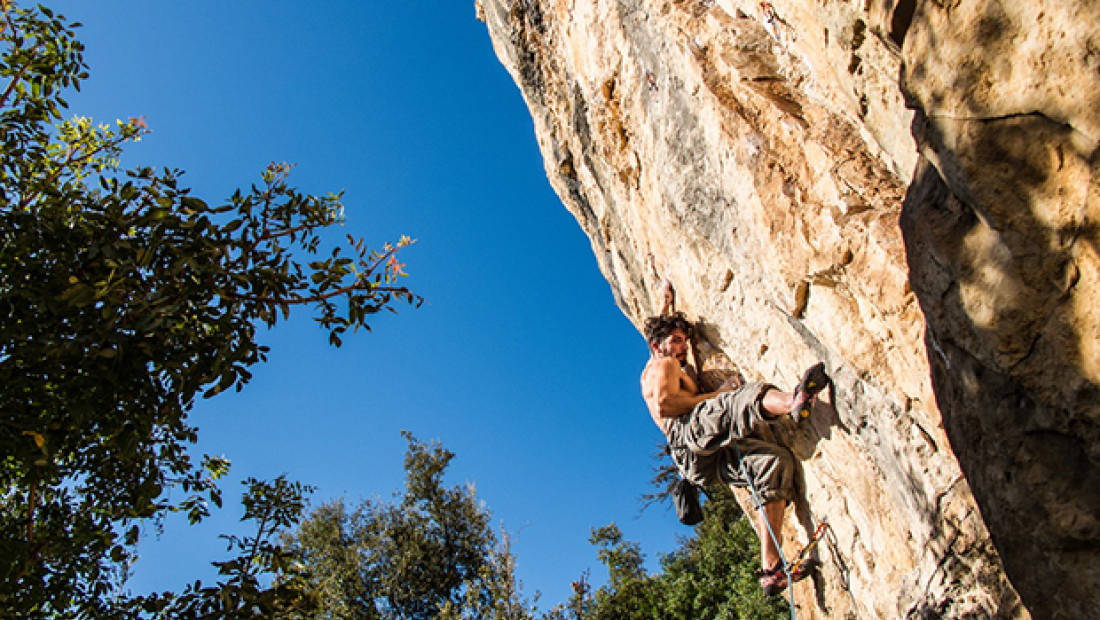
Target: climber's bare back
661 378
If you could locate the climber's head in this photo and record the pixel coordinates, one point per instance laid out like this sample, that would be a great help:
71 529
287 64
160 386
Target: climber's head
668 335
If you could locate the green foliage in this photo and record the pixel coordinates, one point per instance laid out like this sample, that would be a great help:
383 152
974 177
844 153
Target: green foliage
242 594
123 298
715 575
630 592
710 577
433 555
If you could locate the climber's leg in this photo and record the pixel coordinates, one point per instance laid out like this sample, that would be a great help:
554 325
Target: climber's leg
797 403
777 404
771 515
768 470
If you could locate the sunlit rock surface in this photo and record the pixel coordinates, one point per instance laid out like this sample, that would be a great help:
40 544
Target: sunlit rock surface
905 190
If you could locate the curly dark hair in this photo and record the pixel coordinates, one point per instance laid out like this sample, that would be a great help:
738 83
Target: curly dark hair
657 328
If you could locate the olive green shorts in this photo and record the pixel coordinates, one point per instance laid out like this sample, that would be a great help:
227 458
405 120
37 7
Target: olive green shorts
720 437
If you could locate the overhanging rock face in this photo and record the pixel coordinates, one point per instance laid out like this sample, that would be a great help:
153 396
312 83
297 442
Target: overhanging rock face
905 190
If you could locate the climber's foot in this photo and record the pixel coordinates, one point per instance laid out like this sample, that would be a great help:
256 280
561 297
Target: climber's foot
812 383
773 580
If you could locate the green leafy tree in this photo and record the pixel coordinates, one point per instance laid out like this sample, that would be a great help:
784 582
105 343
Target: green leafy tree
432 555
630 592
712 576
123 299
262 581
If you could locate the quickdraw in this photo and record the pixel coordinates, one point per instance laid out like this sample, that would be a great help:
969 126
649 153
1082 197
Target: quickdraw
803 561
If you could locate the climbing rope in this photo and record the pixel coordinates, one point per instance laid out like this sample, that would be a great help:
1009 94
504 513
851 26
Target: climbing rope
803 556
768 526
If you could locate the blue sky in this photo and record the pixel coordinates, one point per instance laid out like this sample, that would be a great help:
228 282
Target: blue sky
519 362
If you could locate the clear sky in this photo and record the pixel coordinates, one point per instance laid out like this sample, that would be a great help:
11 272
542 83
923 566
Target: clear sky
519 362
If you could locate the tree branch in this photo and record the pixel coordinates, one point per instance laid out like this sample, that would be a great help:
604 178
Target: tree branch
23 70
69 163
32 508
359 285
11 85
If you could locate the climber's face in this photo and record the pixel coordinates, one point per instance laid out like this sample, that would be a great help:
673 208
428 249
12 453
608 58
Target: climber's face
674 345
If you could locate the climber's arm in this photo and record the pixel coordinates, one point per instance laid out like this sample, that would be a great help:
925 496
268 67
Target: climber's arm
671 393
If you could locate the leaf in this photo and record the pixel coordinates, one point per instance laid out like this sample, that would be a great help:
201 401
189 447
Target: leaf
223 384
78 294
39 440
193 205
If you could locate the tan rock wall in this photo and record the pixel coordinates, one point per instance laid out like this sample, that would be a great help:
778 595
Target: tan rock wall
1001 228
760 156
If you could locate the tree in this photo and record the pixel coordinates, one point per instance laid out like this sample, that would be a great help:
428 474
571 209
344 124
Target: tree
630 593
710 577
432 555
243 594
123 299
714 575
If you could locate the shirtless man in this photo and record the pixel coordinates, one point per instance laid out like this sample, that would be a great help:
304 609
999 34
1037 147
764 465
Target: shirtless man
711 434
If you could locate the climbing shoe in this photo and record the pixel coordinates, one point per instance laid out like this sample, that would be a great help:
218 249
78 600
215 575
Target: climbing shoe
773 580
812 383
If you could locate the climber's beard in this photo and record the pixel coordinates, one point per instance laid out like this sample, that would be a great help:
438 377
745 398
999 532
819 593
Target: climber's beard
669 351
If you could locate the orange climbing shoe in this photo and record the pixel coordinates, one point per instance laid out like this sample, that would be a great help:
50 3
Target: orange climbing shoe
812 383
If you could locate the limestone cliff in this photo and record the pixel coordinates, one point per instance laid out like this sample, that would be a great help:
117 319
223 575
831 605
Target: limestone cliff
904 189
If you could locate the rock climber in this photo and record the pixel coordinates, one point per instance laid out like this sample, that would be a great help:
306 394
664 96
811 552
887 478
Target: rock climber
711 435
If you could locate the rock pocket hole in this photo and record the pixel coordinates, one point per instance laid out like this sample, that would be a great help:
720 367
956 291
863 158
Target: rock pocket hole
901 20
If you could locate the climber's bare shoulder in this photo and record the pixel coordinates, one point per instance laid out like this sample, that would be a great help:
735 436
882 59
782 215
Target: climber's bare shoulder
663 378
